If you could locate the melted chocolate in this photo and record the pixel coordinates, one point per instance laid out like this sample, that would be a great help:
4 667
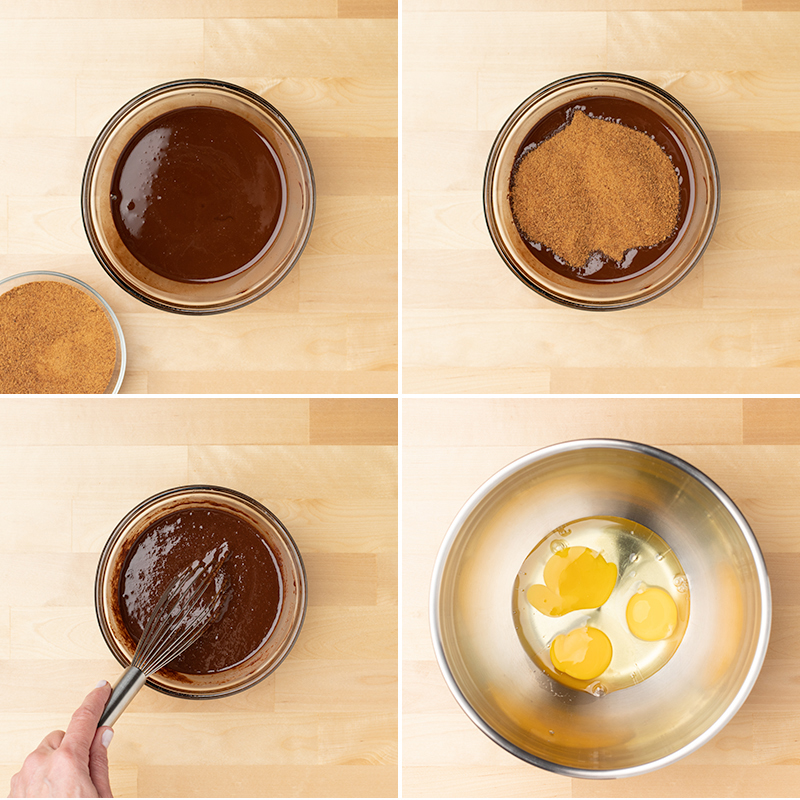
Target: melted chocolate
198 195
253 597
636 261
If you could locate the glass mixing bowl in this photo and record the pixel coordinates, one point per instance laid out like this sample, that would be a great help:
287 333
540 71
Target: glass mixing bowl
22 278
236 290
692 238
638 728
290 618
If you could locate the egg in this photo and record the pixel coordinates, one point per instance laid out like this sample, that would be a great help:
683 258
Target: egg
651 614
600 604
583 653
575 578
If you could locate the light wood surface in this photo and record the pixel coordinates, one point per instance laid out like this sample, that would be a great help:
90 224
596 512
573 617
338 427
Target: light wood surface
323 724
471 326
331 68
749 447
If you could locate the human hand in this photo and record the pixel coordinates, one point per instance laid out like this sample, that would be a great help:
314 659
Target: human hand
71 764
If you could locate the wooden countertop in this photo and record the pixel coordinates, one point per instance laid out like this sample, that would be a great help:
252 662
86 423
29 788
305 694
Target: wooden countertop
323 724
471 326
331 67
751 448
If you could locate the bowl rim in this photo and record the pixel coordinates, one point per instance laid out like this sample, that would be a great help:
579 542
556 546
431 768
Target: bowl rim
491 164
541 454
123 350
91 165
223 491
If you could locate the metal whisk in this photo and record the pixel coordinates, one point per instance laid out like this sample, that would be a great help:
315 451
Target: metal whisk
189 603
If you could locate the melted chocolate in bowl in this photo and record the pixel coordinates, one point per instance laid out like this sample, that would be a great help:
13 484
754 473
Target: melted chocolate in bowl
252 600
198 195
633 115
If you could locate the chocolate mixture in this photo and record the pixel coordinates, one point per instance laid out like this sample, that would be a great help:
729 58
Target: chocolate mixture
253 598
198 195
640 205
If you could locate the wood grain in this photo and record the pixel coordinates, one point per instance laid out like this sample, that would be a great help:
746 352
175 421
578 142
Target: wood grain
169 9
748 446
329 67
469 326
325 723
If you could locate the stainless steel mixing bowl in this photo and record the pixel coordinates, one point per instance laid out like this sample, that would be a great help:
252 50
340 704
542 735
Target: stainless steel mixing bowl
633 730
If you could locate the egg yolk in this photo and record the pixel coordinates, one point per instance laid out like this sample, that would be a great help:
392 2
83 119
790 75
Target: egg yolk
652 614
575 578
584 653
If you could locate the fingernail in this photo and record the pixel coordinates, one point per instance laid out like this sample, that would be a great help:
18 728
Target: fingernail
107 737
102 683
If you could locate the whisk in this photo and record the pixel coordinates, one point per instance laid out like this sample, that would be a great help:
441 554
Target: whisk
190 602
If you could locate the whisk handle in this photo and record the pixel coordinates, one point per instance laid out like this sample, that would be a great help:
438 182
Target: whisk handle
124 691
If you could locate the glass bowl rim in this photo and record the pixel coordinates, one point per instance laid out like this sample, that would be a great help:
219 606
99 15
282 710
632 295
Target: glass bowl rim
91 166
112 317
522 108
116 533
540 455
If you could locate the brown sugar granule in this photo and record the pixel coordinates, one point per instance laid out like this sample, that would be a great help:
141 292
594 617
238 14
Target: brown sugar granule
595 186
54 339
